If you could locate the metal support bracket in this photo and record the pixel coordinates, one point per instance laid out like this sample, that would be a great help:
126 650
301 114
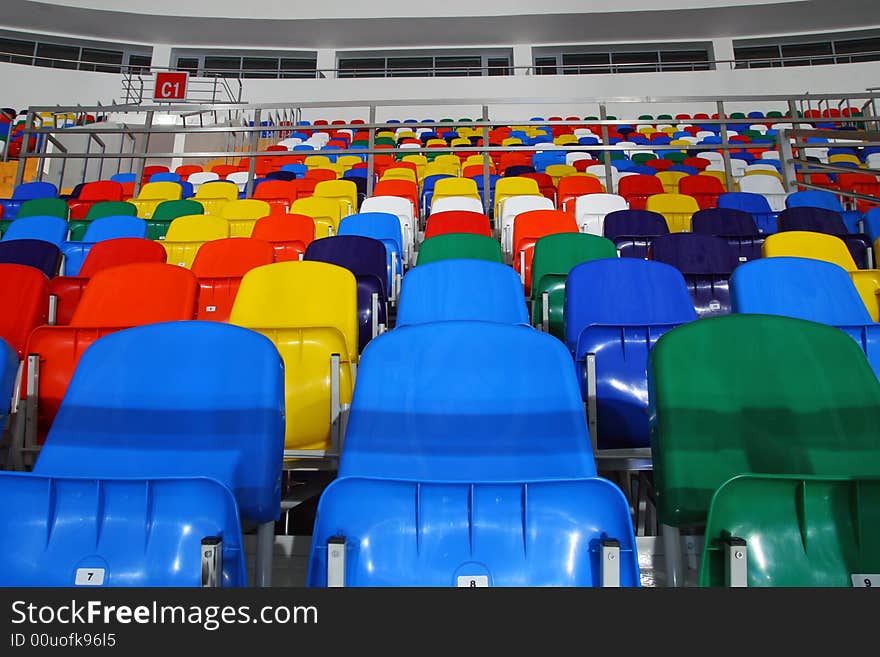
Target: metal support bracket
212 562
736 562
610 560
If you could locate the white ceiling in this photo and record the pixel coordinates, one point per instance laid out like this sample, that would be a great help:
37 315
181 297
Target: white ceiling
703 20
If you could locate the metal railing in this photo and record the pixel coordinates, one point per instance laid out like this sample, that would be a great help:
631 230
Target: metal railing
214 88
245 137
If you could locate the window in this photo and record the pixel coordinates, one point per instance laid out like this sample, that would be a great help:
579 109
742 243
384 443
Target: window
452 66
215 66
424 64
622 58
578 63
139 64
545 65
857 50
56 55
105 61
684 60
805 54
297 68
757 56
498 65
251 64
814 50
410 66
627 62
10 48
190 64
362 68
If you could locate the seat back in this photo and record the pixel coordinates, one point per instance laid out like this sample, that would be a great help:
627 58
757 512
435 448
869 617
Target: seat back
755 204
814 198
459 245
345 192
513 207
219 266
632 231
309 311
528 228
214 195
775 407
636 189
678 209
488 417
451 290
736 226
200 421
705 189
513 186
59 531
815 219
768 186
325 212
591 210
289 234
43 207
44 228
186 234
473 534
243 214
457 221
44 256
100 230
279 194
804 244
570 187
555 256
24 297
774 514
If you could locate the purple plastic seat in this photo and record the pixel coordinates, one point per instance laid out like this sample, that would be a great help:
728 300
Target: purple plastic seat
366 259
633 231
38 254
706 262
822 220
736 226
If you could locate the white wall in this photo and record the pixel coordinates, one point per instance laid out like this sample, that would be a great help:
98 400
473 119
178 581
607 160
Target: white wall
530 95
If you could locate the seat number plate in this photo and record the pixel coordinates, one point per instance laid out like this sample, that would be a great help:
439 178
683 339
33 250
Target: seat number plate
473 581
89 577
866 581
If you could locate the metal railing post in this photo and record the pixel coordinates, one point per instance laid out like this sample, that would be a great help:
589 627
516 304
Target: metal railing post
252 165
606 154
142 161
725 142
25 140
371 162
486 171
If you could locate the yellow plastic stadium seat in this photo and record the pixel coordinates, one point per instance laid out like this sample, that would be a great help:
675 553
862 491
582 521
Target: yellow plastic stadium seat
420 161
436 168
309 311
565 140
677 209
819 246
448 160
679 142
243 214
398 173
474 160
446 187
388 134
513 186
406 134
844 157
765 173
669 130
214 195
348 161
152 194
436 142
511 141
670 179
317 162
460 141
326 213
187 233
647 130
343 192
557 171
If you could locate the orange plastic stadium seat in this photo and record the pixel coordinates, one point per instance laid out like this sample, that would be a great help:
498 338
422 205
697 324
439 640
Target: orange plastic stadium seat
457 221
571 187
115 298
289 234
68 290
637 189
528 228
219 266
279 194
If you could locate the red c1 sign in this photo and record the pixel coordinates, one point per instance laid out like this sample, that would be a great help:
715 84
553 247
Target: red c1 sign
170 86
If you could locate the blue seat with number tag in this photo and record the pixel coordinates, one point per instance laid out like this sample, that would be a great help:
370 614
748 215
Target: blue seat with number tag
410 533
59 531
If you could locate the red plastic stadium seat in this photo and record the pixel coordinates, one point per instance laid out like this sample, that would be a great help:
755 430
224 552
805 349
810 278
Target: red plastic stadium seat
24 298
699 163
581 165
637 189
289 234
110 253
571 187
115 298
528 228
186 170
706 189
860 183
224 170
402 188
457 221
91 193
153 168
219 266
545 184
660 164
320 175
279 194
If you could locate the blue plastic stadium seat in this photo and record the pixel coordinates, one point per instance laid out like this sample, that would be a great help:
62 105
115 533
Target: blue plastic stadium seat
26 192
382 226
462 290
105 228
411 533
872 224
467 402
808 289
176 399
706 262
633 231
820 198
755 204
45 228
123 177
617 310
41 255
8 374
736 226
366 259
63 532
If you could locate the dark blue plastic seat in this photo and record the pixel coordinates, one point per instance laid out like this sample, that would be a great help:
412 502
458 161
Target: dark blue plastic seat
872 224
452 290
366 259
176 399
804 288
820 198
105 228
65 532
821 220
736 226
755 204
26 192
617 310
45 228
382 226
706 262
518 170
467 402
633 231
413 533
41 255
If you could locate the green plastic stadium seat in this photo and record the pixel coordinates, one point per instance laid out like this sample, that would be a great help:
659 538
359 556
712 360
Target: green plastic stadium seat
41 207
78 227
459 245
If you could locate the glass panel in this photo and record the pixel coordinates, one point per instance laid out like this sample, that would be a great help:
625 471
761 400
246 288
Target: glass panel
684 60
216 65
366 67
260 67
98 57
625 62
451 66
55 55
498 65
190 64
139 64
410 66
857 50
545 65
757 56
298 68
805 54
9 48
587 62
